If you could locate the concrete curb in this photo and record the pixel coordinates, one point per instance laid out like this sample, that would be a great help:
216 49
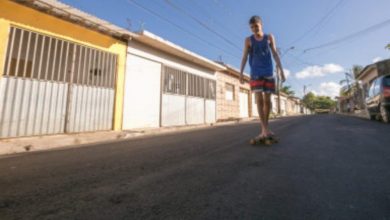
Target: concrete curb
51 142
358 115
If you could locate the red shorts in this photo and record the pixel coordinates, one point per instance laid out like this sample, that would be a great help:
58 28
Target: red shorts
264 84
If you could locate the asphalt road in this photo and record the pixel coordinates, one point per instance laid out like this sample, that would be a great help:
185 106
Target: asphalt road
325 167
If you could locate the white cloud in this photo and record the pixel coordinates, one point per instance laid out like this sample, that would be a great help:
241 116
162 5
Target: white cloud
376 59
330 89
319 71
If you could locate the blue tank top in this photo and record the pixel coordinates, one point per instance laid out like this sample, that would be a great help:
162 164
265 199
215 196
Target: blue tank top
260 60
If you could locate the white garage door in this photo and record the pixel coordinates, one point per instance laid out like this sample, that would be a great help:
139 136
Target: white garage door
244 107
255 112
142 93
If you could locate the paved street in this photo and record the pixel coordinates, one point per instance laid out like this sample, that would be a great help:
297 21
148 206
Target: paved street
326 167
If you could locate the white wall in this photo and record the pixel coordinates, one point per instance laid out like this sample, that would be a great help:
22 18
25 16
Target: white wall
210 111
255 113
161 57
141 105
173 112
244 105
195 110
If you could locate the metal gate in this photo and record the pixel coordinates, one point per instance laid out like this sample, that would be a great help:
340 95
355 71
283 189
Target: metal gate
187 98
52 86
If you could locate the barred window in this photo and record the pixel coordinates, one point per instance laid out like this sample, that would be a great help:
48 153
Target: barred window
196 86
210 89
174 81
183 83
38 56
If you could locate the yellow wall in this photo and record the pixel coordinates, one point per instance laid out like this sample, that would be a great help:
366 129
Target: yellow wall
12 13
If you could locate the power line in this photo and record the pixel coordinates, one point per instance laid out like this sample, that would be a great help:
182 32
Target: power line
205 26
351 36
230 12
322 20
215 20
326 21
224 7
302 61
182 29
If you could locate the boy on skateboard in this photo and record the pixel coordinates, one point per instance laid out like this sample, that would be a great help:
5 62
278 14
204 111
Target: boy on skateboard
259 47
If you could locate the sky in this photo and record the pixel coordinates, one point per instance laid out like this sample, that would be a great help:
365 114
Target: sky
216 29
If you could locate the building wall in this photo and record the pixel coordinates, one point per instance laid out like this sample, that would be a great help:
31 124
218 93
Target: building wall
14 14
147 52
229 109
176 110
369 76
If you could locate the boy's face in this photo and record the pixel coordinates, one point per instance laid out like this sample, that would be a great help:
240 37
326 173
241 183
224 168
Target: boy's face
256 27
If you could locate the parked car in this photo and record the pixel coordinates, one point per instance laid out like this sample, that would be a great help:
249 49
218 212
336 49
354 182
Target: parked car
378 100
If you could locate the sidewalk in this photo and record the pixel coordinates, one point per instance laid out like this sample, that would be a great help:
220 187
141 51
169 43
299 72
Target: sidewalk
50 142
357 113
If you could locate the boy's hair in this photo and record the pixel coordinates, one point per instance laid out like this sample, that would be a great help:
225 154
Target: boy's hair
255 19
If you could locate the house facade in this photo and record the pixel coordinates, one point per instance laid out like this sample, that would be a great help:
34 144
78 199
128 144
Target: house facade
60 70
167 85
234 100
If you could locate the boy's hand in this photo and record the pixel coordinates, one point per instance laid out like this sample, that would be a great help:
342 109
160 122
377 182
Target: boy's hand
281 74
283 78
241 79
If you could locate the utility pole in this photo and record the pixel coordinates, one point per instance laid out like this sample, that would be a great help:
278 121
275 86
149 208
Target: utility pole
304 91
278 83
347 76
304 95
278 90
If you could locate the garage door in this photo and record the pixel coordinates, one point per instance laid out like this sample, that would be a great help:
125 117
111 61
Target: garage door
142 93
244 105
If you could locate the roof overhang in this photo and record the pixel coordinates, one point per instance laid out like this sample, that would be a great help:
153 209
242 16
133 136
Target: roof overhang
161 44
365 71
73 15
233 71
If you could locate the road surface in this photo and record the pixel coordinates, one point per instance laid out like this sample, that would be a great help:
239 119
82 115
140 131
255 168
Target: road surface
326 167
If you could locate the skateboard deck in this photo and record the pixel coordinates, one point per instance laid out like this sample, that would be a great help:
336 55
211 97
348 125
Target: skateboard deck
264 141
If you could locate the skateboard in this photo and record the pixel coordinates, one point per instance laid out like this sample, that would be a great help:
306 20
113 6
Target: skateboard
266 140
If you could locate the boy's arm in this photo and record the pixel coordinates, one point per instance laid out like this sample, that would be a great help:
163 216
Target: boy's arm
276 57
244 58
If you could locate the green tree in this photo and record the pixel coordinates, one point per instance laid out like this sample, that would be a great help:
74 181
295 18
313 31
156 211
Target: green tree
350 89
314 102
287 90
324 102
308 100
388 47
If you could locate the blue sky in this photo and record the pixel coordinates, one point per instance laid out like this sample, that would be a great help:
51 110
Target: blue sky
322 69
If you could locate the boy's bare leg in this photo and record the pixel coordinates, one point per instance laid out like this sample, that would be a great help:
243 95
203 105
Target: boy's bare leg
267 111
260 109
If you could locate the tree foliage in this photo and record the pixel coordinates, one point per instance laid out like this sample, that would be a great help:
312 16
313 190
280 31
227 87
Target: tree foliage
314 102
287 90
356 69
